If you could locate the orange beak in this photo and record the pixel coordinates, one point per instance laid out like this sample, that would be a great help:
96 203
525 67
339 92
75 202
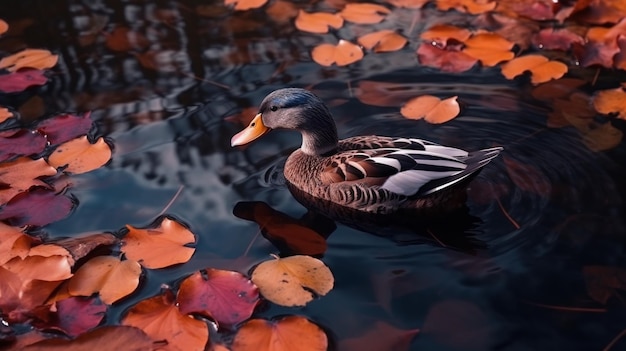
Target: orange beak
255 129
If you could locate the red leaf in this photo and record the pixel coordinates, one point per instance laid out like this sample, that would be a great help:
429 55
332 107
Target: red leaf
36 207
65 127
104 339
74 315
19 81
556 39
227 297
20 142
446 60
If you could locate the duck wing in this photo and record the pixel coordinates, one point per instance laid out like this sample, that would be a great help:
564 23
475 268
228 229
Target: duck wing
404 166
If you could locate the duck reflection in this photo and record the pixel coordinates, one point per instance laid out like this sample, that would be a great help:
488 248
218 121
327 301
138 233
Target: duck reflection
307 235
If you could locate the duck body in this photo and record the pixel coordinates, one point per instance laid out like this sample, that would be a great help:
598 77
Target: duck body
373 174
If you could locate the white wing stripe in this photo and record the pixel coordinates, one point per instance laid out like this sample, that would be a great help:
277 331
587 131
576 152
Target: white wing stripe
409 182
387 161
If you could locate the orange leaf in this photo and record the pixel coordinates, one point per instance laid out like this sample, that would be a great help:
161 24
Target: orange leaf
21 174
540 67
287 334
470 6
383 41
80 155
13 243
289 281
344 53
3 27
318 22
159 247
412 4
611 101
245 4
20 294
364 13
431 108
105 338
5 114
160 318
441 33
29 58
107 275
43 262
489 48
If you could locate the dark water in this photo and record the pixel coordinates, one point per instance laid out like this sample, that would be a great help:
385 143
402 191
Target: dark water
511 279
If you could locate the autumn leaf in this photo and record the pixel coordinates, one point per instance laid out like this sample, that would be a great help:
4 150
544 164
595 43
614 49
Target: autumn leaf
448 59
318 22
21 174
5 114
36 207
292 281
108 276
364 13
81 245
342 54
107 338
556 39
287 334
159 247
431 109
245 4
73 316
489 48
46 262
540 68
3 27
225 296
381 336
440 34
411 4
382 41
159 317
20 142
13 243
123 39
611 101
473 7
20 294
65 127
19 81
29 58
81 156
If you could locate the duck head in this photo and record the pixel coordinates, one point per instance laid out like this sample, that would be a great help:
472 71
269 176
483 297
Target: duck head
297 109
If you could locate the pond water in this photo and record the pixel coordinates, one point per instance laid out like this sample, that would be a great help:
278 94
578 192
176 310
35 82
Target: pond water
506 275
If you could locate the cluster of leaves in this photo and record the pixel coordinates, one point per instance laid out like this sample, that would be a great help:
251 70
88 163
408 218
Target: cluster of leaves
519 36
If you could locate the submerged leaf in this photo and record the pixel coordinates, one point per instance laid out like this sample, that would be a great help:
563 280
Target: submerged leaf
293 280
288 334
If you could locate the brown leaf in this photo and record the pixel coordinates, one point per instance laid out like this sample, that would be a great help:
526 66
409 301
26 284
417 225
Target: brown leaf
80 155
288 334
160 247
431 109
290 281
318 22
81 246
20 294
107 338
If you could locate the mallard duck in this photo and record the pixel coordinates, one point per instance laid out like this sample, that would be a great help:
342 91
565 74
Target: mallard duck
375 174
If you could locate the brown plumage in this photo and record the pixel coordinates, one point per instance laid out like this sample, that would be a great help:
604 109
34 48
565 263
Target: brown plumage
374 174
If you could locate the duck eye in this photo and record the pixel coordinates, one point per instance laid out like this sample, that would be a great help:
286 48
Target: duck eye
274 108
252 124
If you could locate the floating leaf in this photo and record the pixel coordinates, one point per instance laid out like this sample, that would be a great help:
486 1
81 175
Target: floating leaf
381 336
431 109
81 246
81 156
556 39
411 4
611 101
282 11
489 48
107 338
225 296
293 280
442 33
160 318
540 67
20 142
29 58
5 113
65 127
3 27
13 243
43 262
36 207
473 7
446 60
74 315
318 22
20 295
287 334
159 247
106 275
364 13
19 81
245 4
21 174
383 41
344 53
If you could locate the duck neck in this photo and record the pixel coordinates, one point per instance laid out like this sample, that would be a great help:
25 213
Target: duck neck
321 143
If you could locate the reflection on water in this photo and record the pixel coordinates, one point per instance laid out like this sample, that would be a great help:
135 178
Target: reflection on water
501 275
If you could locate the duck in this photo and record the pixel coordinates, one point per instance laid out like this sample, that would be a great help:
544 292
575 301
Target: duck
371 173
